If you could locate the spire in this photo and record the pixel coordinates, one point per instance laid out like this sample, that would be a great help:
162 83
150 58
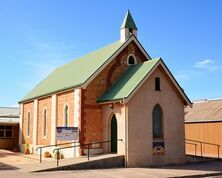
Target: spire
127 28
128 22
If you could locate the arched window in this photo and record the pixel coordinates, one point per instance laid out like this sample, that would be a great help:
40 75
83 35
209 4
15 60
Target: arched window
157 122
131 60
28 124
44 122
66 116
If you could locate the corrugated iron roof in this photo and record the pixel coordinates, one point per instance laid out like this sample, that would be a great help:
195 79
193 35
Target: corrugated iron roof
4 120
128 81
75 73
204 111
9 115
9 112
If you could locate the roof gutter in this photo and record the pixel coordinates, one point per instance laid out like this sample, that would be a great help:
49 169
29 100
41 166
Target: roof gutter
51 93
201 121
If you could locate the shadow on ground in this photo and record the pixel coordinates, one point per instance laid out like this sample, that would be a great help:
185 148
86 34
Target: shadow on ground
6 153
199 166
4 166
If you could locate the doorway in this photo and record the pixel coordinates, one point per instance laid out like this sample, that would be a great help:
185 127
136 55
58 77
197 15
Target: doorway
114 134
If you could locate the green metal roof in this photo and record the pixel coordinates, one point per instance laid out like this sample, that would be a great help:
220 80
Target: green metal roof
128 81
128 22
74 73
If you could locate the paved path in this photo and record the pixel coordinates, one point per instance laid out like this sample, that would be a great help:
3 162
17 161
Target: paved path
13 160
114 173
10 163
30 163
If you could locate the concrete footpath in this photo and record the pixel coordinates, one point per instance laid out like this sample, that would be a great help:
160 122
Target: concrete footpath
12 165
30 163
181 171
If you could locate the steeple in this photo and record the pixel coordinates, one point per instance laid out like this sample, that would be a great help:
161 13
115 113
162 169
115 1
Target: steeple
128 27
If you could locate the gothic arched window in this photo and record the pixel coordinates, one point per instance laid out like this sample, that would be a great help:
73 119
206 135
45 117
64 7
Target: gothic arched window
28 124
44 122
157 122
131 60
66 116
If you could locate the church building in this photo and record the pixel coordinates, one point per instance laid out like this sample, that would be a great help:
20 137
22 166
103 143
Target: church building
117 93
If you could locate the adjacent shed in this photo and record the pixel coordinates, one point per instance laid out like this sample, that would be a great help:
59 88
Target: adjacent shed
9 127
203 128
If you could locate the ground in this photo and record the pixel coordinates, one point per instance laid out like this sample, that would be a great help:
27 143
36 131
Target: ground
119 173
11 166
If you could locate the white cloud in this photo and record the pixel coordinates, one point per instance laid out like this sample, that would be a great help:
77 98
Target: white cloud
187 75
182 76
206 65
41 58
42 69
44 57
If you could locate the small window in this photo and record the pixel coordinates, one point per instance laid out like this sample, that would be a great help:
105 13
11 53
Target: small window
44 122
157 83
8 127
28 124
66 116
8 133
5 131
131 60
2 135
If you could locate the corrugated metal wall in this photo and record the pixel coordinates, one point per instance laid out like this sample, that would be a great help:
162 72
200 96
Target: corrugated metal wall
210 132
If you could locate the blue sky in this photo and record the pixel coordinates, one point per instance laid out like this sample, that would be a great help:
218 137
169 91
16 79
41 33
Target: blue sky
39 35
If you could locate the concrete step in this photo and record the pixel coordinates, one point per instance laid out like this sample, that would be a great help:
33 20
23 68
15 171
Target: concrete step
95 162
